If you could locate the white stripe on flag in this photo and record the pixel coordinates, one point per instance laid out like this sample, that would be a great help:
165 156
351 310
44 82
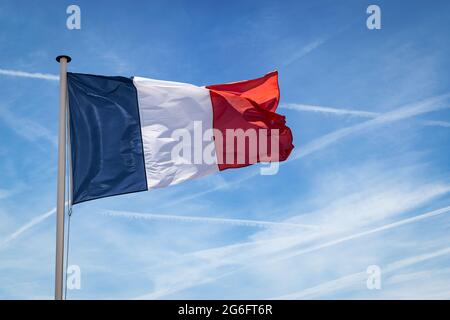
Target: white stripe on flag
165 107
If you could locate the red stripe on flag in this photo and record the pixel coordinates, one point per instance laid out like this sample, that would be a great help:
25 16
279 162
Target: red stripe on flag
249 105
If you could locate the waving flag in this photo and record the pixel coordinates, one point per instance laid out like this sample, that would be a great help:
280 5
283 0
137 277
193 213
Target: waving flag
129 135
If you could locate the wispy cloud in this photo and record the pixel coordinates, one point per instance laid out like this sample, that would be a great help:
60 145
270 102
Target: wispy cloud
437 123
236 222
345 216
24 74
369 232
360 277
349 112
304 51
348 215
311 46
195 279
405 112
336 111
13 236
27 128
6 193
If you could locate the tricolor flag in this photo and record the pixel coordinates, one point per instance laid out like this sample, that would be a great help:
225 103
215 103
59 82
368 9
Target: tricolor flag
135 134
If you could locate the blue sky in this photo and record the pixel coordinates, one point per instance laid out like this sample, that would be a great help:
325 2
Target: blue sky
368 184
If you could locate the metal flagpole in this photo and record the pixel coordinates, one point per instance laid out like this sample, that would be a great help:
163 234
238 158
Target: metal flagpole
59 266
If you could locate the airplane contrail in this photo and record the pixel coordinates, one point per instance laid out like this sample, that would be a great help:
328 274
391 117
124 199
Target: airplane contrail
428 105
162 293
23 74
27 128
26 227
437 123
321 109
351 112
368 232
304 51
345 281
237 222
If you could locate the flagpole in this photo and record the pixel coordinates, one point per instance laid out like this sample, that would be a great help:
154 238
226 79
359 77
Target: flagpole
60 203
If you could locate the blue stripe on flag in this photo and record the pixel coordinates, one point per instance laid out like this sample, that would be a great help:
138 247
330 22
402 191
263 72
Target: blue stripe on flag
106 142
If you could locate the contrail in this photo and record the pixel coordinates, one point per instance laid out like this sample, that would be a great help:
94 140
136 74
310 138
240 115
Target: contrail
26 227
427 215
350 112
23 74
27 128
308 48
281 242
437 123
431 104
321 109
237 222
343 282
304 51
368 232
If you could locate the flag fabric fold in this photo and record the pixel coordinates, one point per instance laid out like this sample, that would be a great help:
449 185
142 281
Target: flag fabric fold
135 134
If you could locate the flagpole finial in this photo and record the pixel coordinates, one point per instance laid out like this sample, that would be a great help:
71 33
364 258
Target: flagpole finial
68 58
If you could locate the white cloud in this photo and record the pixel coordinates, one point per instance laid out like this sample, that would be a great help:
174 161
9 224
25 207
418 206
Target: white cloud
407 111
6 193
212 220
336 285
23 74
361 210
350 112
304 51
437 123
35 221
385 227
27 128
336 111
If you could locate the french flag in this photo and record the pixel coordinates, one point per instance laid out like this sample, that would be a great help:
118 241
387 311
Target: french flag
135 134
